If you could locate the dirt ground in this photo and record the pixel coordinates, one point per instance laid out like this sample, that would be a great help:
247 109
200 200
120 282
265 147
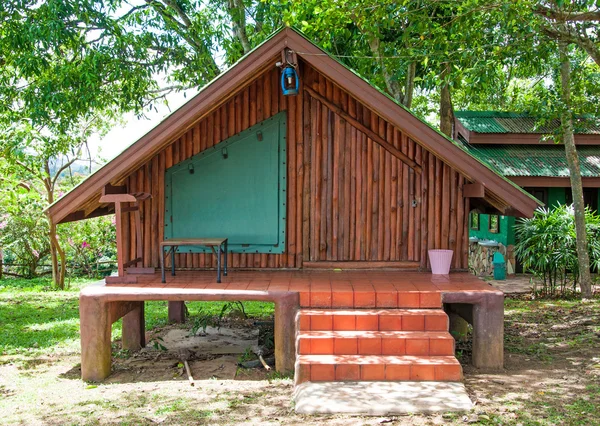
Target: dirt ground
552 376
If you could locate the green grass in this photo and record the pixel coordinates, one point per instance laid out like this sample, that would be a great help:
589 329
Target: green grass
35 320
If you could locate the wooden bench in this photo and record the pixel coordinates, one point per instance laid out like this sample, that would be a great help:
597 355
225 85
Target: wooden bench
217 245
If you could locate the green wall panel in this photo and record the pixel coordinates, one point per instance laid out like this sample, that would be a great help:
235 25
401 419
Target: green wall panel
556 196
505 235
234 190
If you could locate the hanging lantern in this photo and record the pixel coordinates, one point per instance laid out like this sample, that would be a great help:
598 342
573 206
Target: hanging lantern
289 81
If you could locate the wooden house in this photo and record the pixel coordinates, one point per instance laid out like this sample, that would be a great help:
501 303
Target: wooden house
308 188
522 151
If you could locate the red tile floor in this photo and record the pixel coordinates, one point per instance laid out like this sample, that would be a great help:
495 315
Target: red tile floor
330 289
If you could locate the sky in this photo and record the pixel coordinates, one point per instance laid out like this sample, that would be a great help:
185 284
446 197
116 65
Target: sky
123 135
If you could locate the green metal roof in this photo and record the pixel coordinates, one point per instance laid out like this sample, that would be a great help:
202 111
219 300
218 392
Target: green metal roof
537 160
510 122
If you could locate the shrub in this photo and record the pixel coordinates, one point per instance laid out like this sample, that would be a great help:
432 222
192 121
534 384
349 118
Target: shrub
546 246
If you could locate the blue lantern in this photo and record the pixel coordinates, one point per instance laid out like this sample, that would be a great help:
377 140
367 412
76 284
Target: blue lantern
289 81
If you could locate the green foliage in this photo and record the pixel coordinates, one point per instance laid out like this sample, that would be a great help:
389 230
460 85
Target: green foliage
201 322
23 230
546 246
90 246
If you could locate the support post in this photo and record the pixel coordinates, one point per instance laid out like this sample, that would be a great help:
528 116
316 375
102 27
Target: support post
488 332
134 330
95 326
285 332
177 312
120 242
485 312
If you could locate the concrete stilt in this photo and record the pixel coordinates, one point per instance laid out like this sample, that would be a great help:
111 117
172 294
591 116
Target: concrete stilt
95 338
177 312
134 330
285 332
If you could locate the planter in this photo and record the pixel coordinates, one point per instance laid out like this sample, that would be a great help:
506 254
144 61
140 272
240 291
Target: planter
440 261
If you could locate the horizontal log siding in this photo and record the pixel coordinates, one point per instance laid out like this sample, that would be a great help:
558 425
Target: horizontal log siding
359 196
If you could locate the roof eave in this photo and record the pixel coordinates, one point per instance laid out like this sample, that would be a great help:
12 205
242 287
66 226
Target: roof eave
184 117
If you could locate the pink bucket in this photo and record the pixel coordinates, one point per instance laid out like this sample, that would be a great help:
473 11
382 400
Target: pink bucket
440 261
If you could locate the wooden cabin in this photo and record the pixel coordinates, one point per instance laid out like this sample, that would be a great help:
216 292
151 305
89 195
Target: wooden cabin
354 179
336 177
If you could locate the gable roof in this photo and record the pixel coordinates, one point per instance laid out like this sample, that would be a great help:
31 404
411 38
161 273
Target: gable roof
511 122
538 161
500 192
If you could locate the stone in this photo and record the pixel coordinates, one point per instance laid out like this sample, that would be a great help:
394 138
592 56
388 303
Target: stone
381 398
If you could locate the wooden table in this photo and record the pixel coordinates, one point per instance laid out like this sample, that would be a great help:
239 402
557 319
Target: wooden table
217 245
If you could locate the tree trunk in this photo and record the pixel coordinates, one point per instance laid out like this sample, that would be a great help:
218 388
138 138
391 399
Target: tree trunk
56 251
446 109
237 13
409 86
576 184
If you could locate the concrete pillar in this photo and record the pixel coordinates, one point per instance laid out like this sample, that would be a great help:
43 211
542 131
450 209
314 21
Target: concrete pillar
95 326
285 332
177 312
134 330
488 332
459 328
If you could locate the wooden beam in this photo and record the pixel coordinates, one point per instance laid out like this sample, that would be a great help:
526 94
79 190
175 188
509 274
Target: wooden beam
114 189
361 265
364 129
80 214
125 279
553 182
118 198
132 262
473 190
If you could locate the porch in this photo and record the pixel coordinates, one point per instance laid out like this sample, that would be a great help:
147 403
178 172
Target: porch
322 306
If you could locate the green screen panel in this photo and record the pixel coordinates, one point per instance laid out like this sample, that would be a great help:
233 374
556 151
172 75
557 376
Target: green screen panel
234 190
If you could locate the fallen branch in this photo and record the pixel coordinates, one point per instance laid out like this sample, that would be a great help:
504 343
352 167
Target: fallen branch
262 361
189 373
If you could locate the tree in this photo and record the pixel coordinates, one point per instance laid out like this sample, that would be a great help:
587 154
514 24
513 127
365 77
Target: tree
36 154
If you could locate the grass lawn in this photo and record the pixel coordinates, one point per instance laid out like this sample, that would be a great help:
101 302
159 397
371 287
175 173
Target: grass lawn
552 374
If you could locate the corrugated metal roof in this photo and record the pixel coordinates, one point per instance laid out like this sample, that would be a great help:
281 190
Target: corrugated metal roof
540 161
510 122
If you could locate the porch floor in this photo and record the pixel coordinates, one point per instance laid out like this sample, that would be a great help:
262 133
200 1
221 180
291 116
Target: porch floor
324 289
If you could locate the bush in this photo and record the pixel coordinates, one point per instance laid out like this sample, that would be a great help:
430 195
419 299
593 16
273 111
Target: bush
88 242
24 232
546 246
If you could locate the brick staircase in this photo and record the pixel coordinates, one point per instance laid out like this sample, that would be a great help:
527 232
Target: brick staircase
374 345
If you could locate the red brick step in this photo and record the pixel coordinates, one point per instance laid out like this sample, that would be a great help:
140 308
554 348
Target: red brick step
361 342
376 368
372 319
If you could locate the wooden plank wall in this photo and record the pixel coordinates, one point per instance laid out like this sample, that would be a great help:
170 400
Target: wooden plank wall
362 197
348 199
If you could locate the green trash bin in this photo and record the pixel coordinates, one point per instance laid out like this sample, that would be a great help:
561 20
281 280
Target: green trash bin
499 266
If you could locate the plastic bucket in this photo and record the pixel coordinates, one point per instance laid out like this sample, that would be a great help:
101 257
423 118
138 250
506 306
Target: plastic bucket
440 261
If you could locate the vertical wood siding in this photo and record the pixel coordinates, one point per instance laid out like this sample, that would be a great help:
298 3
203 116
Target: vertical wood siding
347 198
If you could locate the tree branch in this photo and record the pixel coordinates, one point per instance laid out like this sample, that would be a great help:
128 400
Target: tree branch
558 15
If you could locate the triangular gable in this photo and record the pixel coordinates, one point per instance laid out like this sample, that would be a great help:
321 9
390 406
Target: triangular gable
83 201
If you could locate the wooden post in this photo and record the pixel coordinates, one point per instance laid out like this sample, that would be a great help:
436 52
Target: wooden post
120 247
118 200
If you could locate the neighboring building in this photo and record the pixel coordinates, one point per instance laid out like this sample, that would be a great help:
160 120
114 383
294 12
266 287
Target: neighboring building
513 145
